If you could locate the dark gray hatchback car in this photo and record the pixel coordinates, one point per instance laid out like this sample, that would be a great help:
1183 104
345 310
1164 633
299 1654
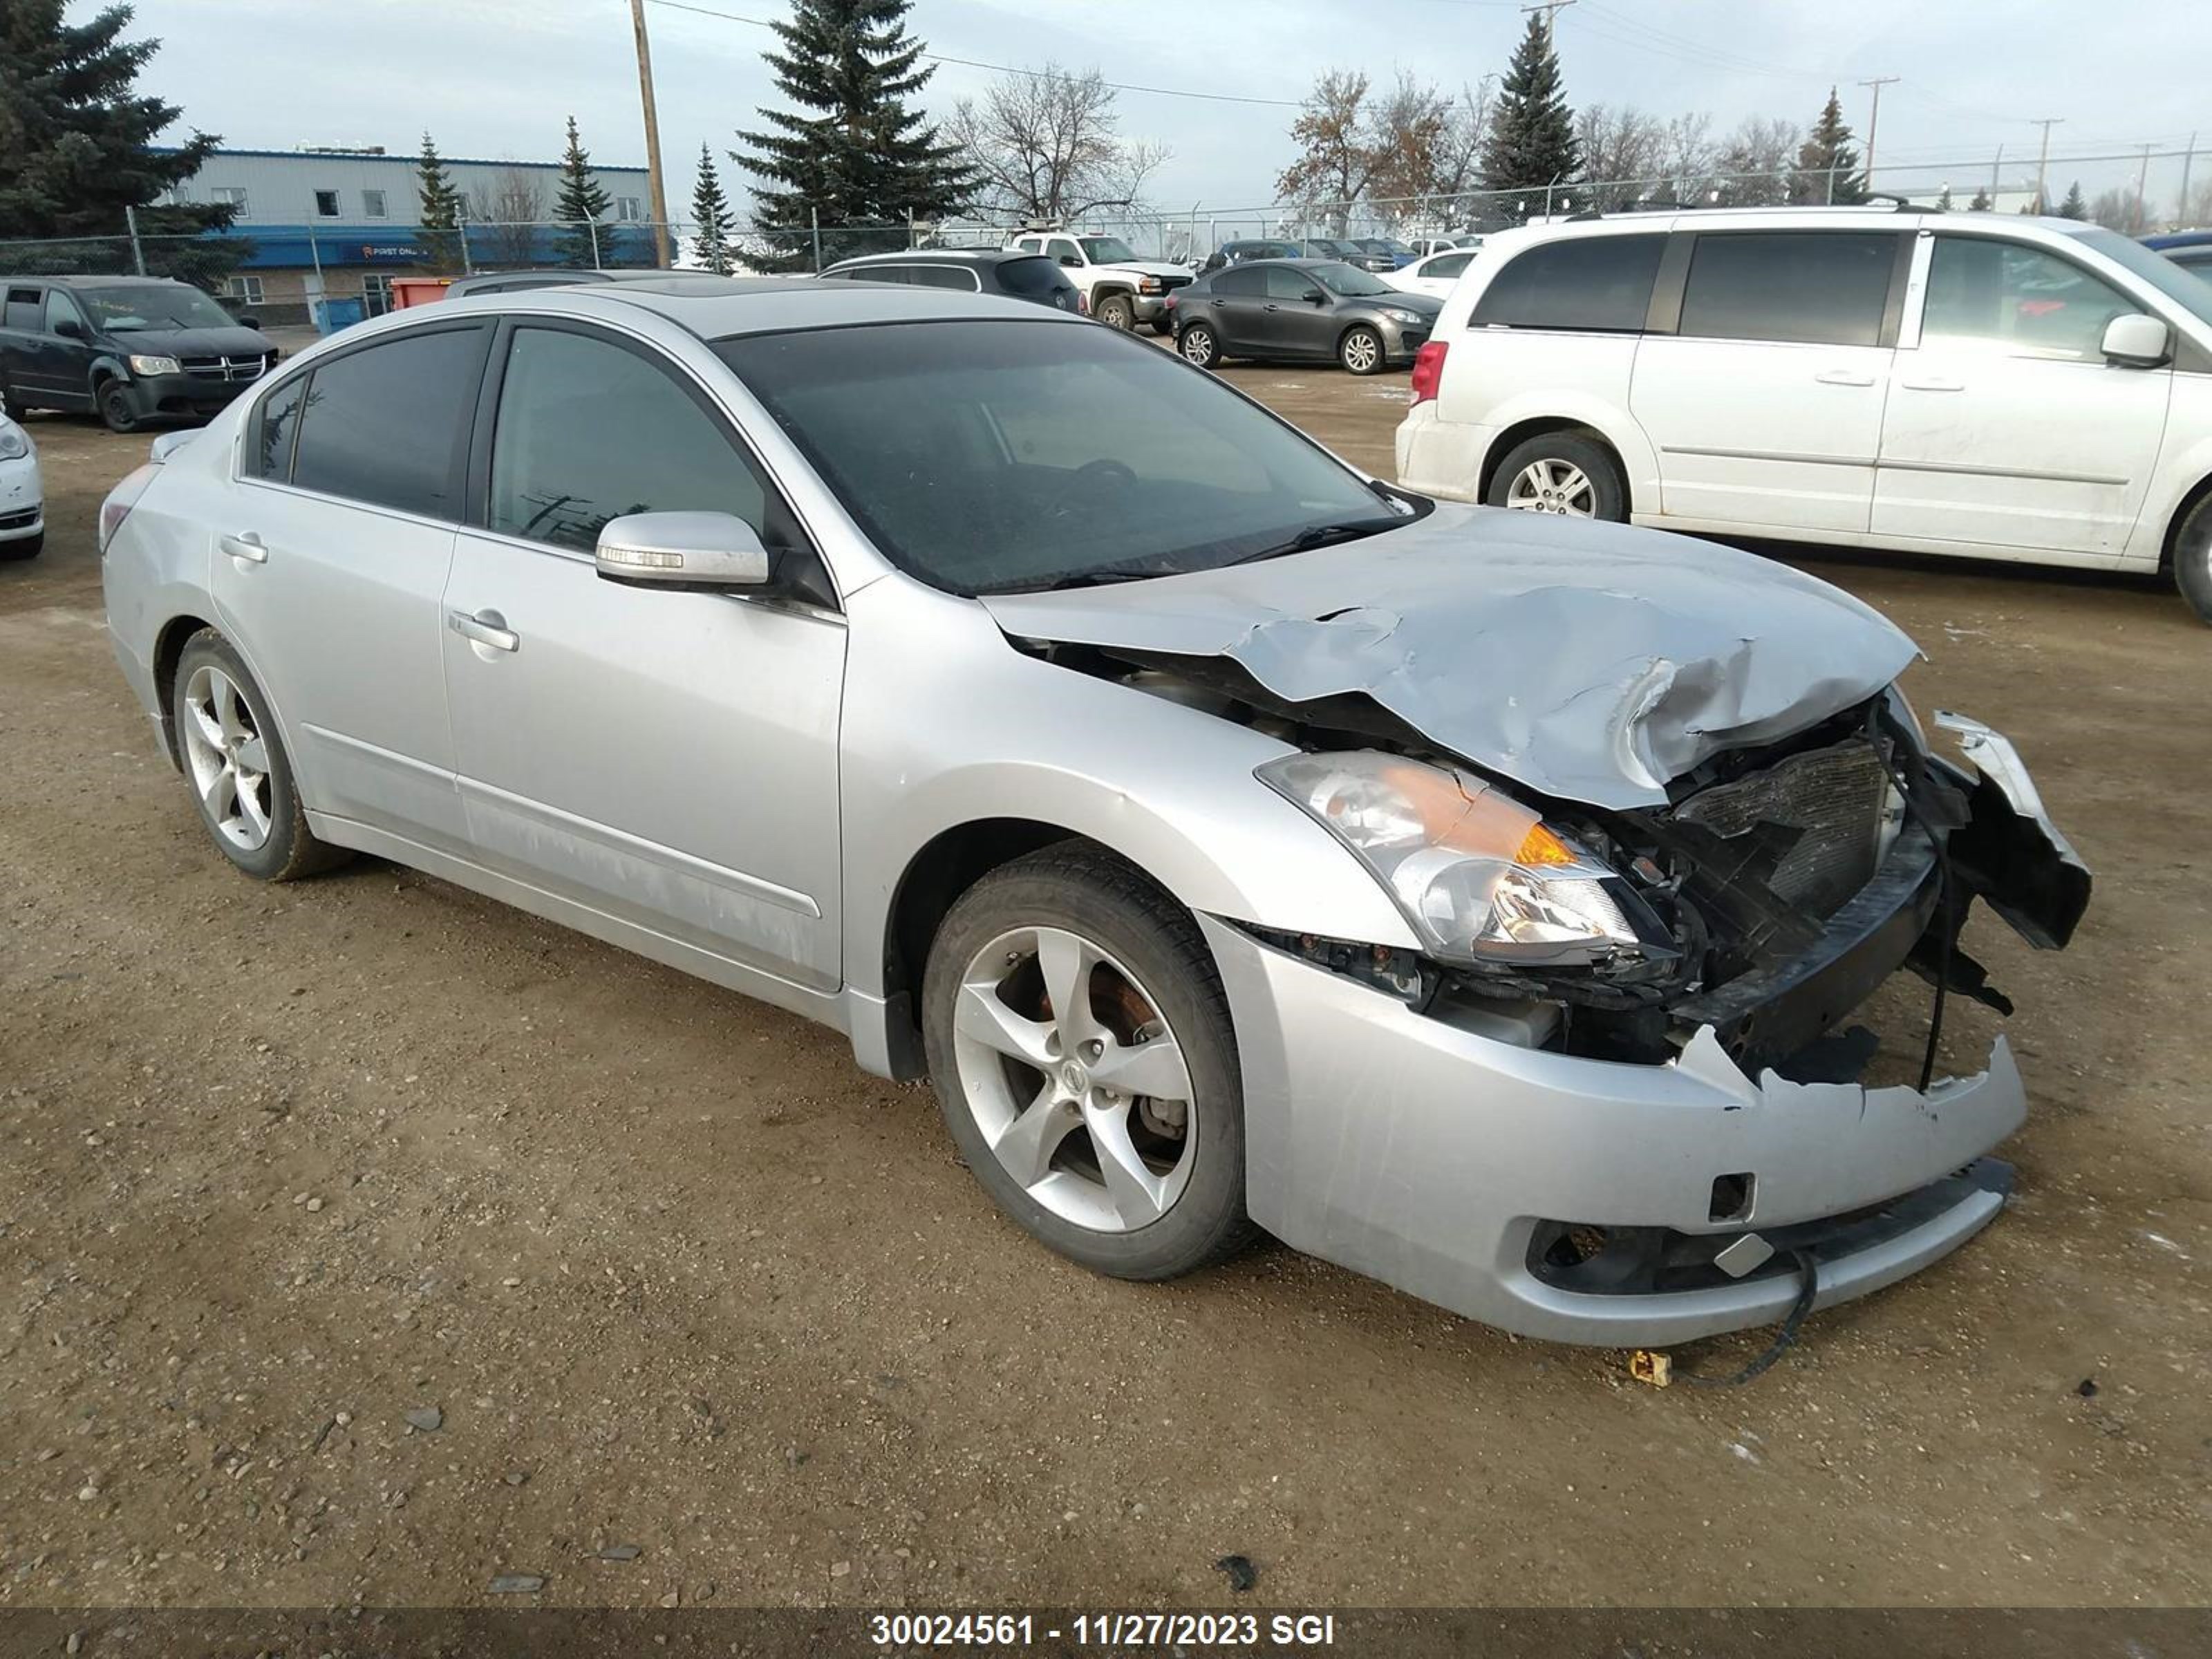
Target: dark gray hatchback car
1295 311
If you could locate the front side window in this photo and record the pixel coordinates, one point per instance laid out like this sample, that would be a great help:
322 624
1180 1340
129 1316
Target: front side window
1448 265
992 457
1289 283
388 425
1032 278
589 431
1064 251
1350 282
60 309
2016 300
1815 287
1586 284
1106 250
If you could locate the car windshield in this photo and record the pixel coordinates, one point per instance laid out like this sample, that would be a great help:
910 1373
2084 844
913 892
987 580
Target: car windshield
1349 281
1106 250
996 457
120 310
2191 293
1384 245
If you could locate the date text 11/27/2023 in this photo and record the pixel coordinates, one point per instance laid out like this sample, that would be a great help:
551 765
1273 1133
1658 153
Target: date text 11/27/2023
1282 1632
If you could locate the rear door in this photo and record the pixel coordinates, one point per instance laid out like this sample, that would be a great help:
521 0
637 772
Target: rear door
666 758
2006 426
1238 305
1764 399
328 574
22 330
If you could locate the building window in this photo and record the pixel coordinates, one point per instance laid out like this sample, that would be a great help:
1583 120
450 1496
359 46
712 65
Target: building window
376 293
230 194
326 204
372 203
241 286
627 209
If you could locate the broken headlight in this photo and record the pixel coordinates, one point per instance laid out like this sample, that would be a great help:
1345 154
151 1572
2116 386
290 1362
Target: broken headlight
1479 876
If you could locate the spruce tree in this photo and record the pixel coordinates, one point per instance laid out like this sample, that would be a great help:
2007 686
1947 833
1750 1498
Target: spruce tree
579 200
1532 131
1981 202
1943 201
2073 207
437 212
73 147
1828 165
854 154
710 214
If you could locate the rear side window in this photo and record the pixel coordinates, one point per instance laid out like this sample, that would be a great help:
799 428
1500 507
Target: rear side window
958 277
1595 284
24 310
1031 278
1449 264
900 273
388 425
1242 282
271 456
1816 288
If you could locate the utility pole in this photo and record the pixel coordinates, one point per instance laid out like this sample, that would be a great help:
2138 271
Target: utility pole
2142 178
2043 159
2188 156
1996 167
1551 10
1873 121
655 186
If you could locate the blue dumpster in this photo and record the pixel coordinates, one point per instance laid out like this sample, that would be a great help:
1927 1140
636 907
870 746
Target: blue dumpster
336 312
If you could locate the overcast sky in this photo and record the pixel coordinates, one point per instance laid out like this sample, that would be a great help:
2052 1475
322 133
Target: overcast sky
496 77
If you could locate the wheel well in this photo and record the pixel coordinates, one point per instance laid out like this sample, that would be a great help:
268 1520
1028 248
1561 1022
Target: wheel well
168 650
1111 291
2202 489
1515 436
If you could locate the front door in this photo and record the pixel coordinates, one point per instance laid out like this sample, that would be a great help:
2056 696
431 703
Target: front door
332 563
1299 320
666 758
61 361
2006 426
1765 403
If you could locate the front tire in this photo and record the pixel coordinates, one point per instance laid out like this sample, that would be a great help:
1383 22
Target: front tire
1361 352
235 764
1198 344
2192 559
1079 1042
1117 311
1567 472
116 407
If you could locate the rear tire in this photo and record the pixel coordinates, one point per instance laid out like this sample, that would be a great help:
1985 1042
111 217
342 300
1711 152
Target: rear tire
1117 311
1199 345
1077 917
235 765
28 548
116 407
2192 559
1163 328
1568 472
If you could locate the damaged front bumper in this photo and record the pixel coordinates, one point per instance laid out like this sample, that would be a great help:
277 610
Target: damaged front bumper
1629 1203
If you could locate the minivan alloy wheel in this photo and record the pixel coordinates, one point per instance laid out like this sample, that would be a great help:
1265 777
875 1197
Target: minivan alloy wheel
228 761
1073 1078
1552 486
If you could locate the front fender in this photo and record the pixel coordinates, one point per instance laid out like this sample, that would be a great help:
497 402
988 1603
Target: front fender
946 723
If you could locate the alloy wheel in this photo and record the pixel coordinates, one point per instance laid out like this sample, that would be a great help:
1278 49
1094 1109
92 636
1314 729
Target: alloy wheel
1552 486
228 759
1362 352
1073 1076
1198 346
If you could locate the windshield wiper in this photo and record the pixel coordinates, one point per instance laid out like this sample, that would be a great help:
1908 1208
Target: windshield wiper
1321 535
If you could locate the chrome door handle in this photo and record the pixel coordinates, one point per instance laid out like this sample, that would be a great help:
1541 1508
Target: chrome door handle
1842 377
246 545
1933 385
485 628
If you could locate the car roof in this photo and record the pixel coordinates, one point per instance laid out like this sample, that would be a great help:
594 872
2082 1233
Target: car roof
2178 239
971 256
720 308
112 280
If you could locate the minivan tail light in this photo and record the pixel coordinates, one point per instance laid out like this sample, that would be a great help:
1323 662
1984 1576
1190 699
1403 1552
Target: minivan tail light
121 499
1429 370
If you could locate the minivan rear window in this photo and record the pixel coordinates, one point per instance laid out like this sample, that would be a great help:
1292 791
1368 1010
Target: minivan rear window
1805 287
1597 284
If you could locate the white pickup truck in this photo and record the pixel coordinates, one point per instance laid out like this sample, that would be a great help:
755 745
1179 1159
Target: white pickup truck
1121 289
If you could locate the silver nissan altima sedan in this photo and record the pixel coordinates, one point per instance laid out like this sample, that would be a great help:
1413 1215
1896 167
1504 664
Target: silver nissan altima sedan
1480 900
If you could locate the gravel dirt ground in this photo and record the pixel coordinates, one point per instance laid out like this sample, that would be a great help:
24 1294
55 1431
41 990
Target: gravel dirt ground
361 1241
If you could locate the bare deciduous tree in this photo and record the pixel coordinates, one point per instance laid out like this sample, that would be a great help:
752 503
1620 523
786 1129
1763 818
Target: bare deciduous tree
1687 157
1623 150
502 220
2121 209
1753 160
1047 146
1466 126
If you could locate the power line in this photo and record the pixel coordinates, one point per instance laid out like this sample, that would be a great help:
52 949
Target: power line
1004 69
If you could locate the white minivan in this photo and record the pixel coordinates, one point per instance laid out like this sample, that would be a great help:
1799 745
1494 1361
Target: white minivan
1991 385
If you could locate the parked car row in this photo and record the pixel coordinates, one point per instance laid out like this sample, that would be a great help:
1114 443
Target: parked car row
1393 919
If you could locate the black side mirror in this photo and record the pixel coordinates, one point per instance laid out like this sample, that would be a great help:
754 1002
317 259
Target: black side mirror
69 328
1071 261
1314 296
247 319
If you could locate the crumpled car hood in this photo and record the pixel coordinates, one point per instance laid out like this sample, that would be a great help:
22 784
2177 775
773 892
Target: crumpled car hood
1593 662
